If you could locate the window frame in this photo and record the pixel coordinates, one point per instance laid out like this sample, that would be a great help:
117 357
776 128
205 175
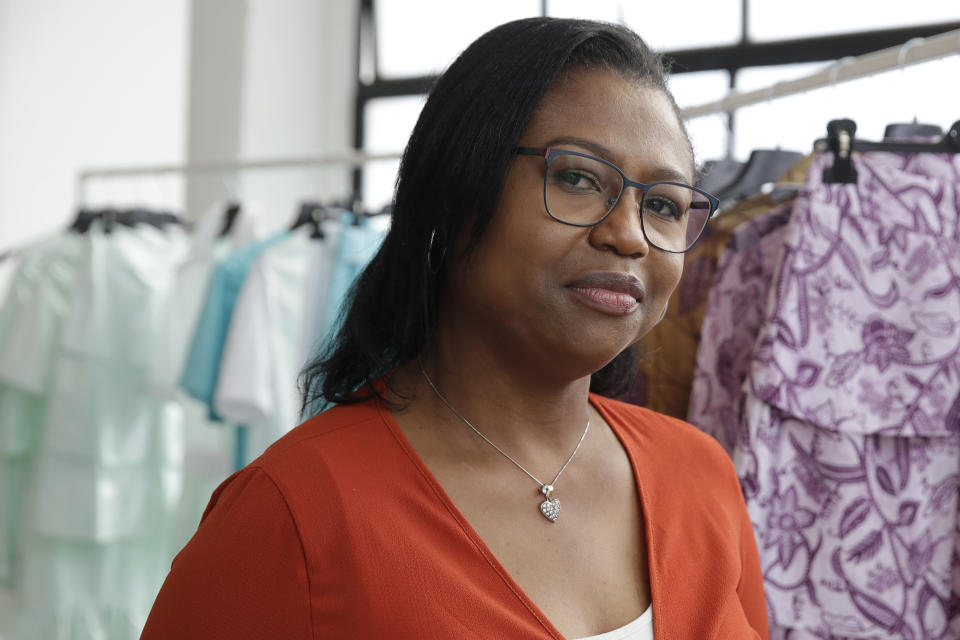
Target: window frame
729 58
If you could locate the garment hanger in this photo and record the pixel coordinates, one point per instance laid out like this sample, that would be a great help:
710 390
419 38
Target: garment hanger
715 175
356 208
81 223
312 214
128 217
763 166
841 141
163 219
158 219
230 215
780 191
902 130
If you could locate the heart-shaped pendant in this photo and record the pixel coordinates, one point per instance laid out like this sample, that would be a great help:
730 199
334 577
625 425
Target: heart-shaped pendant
550 509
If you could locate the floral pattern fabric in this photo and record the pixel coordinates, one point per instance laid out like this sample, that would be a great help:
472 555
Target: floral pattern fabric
847 443
731 323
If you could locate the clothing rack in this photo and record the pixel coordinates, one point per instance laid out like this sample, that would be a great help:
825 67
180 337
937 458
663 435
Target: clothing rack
350 158
911 52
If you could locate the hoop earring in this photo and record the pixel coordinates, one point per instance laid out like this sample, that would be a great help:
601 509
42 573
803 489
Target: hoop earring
434 269
664 314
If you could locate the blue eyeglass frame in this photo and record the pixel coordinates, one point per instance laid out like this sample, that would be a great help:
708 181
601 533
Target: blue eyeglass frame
549 153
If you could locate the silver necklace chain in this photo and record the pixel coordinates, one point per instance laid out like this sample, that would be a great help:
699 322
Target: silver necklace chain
545 489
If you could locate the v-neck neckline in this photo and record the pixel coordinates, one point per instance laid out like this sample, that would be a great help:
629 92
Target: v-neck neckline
488 554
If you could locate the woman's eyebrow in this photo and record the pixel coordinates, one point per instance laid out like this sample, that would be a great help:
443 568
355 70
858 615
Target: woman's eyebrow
670 175
663 173
595 148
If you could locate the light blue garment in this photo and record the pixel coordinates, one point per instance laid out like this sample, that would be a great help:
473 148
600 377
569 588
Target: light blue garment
202 369
358 244
264 351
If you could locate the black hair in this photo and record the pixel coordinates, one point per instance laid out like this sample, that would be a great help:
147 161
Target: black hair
449 183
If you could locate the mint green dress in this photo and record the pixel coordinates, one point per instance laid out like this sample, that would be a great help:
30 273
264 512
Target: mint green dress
31 318
98 458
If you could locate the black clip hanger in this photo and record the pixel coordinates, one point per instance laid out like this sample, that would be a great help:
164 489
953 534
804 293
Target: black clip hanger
840 137
842 142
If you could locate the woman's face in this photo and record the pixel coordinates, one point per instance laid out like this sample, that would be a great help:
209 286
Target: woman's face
568 299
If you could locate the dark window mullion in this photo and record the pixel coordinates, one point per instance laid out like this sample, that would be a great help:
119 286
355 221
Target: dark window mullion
730 58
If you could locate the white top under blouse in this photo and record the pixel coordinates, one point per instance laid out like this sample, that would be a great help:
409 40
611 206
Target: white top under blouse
639 629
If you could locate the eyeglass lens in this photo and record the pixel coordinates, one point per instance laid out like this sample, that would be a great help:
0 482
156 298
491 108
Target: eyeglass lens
581 190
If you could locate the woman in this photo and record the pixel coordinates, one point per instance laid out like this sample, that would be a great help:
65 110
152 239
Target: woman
468 484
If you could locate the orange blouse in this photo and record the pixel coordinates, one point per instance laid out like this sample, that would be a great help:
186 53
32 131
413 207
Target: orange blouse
340 531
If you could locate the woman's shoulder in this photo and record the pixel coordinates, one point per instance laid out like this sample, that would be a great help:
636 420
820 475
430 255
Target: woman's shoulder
335 448
329 422
674 444
345 437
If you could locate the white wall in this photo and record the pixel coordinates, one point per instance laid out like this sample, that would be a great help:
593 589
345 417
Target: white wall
99 82
108 82
299 81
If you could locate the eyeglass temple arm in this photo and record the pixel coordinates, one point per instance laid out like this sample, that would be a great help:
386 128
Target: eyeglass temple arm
532 151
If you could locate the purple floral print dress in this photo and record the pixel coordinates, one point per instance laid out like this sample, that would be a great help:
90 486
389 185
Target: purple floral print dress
733 318
845 432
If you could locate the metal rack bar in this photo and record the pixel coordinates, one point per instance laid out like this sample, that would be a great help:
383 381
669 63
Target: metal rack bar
910 53
347 158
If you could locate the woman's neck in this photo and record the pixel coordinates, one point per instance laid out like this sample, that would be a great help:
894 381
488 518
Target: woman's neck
523 412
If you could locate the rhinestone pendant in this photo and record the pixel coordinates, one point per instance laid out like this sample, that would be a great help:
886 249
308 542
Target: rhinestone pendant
550 508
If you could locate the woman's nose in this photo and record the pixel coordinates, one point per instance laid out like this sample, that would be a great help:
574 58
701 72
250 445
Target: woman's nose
622 230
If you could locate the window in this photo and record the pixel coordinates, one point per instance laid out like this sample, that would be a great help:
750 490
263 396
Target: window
708 134
661 24
778 21
422 37
415 38
388 123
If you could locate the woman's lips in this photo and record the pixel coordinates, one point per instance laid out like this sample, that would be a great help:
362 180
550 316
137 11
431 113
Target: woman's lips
611 292
606 300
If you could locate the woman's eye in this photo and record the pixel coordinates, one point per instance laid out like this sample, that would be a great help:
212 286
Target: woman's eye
663 208
577 180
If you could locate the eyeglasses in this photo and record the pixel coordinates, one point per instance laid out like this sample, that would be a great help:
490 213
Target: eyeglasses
581 190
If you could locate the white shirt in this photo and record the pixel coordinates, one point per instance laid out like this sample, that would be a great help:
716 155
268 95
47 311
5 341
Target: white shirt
639 629
264 354
207 249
